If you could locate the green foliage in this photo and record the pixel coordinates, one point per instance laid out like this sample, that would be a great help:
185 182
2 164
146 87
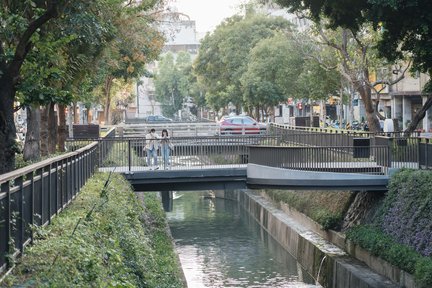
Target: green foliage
423 272
402 233
404 25
405 214
221 60
272 71
382 245
173 83
317 83
111 246
326 208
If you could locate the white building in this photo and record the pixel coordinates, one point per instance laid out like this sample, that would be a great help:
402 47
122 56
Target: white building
180 33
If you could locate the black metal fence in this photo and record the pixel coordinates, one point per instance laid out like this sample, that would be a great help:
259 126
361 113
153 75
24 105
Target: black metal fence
129 154
346 159
295 136
34 194
402 149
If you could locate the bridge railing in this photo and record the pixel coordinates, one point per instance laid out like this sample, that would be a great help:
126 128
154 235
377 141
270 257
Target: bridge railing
346 159
33 195
185 129
129 154
300 136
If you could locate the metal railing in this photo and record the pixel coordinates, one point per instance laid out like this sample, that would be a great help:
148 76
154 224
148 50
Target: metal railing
34 194
425 153
346 159
300 136
129 154
187 129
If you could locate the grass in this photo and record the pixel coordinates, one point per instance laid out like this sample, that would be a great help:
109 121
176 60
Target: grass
326 208
105 238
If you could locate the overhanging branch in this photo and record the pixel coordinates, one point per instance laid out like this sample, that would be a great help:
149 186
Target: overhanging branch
23 44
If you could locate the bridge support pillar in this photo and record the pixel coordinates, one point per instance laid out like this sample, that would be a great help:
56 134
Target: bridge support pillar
167 200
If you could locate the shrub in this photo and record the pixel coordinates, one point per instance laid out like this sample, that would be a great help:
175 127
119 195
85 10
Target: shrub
110 245
423 273
382 245
405 214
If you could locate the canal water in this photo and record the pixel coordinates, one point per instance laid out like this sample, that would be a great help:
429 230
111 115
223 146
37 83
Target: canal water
220 245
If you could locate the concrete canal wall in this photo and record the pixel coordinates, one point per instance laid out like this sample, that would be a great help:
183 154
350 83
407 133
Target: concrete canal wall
310 245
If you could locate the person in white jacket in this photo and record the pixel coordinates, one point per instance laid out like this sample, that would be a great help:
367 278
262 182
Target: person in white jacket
152 146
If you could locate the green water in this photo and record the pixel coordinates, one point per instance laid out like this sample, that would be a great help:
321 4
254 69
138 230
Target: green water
220 245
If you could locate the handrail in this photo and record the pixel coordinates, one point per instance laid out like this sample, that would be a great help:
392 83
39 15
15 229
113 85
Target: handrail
38 192
25 170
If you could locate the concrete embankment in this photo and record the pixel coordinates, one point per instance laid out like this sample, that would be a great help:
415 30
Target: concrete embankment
326 262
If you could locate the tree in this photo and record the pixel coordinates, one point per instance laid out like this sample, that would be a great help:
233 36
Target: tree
137 43
406 28
25 31
172 82
22 19
272 72
356 59
221 63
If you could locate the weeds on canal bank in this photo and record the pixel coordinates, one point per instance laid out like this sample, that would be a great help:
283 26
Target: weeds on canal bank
401 232
105 238
326 208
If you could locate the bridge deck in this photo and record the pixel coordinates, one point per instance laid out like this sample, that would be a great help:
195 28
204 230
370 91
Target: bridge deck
134 169
356 175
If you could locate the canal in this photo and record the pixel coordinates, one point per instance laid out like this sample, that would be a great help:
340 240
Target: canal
221 245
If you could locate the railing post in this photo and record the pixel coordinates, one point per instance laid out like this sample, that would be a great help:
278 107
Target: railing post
49 194
19 182
41 174
5 188
129 155
418 152
57 187
31 176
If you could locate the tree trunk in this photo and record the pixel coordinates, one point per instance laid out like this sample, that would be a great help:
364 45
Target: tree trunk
418 117
89 121
361 209
75 114
52 129
44 131
107 91
7 125
61 130
32 141
365 94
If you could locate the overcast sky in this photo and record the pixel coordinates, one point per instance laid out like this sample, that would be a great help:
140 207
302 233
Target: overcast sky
208 13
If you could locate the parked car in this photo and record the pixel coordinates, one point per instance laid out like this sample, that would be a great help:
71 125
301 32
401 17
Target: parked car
240 125
158 119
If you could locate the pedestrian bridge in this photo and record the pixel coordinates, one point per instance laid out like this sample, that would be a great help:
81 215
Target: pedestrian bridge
254 161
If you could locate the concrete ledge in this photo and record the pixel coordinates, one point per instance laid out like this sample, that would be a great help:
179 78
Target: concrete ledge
323 260
260 175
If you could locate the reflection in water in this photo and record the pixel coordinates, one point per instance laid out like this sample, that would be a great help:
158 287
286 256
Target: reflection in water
220 245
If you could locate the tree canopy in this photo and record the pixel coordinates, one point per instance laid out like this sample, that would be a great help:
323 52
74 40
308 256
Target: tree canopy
406 25
223 55
173 82
50 49
272 70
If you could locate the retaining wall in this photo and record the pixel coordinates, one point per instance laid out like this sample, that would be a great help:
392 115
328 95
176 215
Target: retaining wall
323 260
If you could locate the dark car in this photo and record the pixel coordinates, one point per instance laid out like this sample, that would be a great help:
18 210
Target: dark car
158 119
241 125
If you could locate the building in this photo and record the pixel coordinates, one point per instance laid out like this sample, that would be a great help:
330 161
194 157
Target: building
181 35
407 99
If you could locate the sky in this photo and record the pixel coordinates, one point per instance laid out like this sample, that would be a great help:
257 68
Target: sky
207 13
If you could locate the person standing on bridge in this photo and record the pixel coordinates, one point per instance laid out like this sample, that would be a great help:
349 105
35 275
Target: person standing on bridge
166 146
152 145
